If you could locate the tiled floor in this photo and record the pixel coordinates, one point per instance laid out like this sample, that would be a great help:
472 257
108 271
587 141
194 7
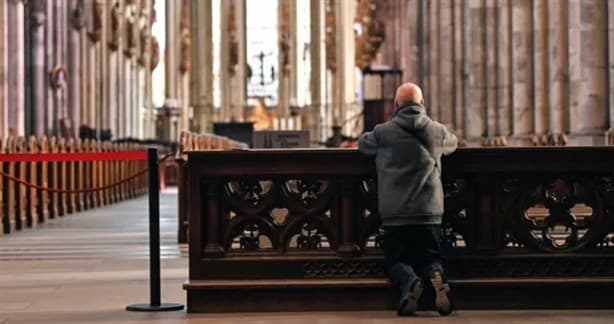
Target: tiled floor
86 268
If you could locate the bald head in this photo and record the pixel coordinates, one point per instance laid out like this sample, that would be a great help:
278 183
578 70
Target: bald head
408 92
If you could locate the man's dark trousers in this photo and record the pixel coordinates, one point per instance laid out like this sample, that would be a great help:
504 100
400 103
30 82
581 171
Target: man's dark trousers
410 252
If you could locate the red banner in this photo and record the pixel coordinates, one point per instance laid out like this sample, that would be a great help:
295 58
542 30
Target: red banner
82 156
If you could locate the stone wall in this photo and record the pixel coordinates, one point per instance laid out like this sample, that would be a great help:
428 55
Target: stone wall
521 72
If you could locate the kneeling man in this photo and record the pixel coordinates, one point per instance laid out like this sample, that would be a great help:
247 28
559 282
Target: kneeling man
408 152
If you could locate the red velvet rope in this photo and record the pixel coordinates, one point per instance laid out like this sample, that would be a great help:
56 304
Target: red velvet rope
75 191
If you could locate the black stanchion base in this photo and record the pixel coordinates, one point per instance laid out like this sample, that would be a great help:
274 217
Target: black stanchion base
164 307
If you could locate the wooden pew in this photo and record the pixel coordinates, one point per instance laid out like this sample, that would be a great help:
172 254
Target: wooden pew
43 179
20 189
32 178
24 206
62 174
53 180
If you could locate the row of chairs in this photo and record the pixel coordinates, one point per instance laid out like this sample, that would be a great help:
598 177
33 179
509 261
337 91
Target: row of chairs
22 206
195 142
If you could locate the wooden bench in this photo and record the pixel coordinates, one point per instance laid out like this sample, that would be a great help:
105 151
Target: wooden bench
298 230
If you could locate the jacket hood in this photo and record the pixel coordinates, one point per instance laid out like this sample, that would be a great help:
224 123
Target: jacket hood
411 116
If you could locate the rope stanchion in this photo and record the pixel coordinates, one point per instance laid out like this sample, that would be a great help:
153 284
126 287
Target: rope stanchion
155 304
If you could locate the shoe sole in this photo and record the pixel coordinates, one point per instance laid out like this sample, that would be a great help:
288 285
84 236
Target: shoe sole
411 305
441 294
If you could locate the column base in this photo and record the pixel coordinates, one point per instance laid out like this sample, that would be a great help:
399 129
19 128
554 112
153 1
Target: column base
587 140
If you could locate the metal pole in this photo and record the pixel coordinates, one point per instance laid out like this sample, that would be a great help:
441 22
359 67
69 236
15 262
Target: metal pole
154 226
155 304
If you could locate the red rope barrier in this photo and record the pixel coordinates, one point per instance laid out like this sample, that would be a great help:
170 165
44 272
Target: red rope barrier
75 191
72 157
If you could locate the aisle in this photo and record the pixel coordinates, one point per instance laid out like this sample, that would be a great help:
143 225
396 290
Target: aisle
116 231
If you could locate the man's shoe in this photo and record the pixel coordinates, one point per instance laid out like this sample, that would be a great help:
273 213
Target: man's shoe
442 289
409 303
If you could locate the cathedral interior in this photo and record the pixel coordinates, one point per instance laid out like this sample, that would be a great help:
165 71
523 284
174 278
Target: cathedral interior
255 108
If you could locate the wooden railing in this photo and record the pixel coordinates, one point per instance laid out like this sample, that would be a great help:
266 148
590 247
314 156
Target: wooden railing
299 230
32 192
190 142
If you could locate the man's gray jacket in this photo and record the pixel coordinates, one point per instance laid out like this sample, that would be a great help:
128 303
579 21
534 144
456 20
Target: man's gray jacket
408 152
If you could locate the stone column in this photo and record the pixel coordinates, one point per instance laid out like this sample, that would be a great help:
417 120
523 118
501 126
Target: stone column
238 79
76 16
318 69
558 71
459 68
492 64
287 58
475 122
16 64
434 105
45 115
4 70
38 10
172 59
224 52
113 66
504 71
540 62
201 74
522 70
342 85
591 113
410 41
446 73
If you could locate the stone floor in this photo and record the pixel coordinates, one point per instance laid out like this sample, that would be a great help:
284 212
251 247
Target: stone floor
86 268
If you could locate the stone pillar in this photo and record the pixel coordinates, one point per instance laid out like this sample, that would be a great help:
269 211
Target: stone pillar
113 67
459 67
287 46
62 45
504 70
342 85
492 64
38 10
541 58
4 70
475 123
522 70
172 59
558 71
434 95
593 98
44 116
446 73
76 16
410 42
239 77
16 64
318 69
224 66
201 74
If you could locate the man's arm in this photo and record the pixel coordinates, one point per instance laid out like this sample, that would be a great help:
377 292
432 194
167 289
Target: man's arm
450 142
367 143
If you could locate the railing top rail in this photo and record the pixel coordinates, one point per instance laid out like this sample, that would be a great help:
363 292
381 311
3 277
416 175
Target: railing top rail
350 161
